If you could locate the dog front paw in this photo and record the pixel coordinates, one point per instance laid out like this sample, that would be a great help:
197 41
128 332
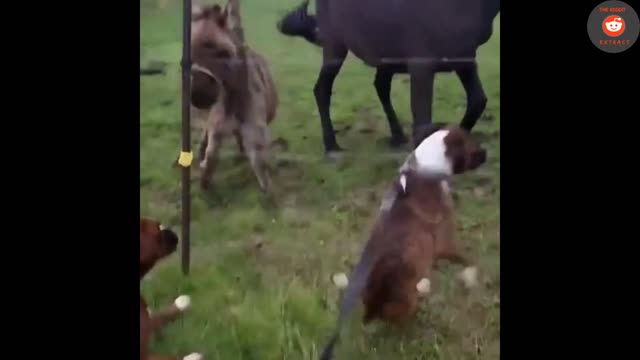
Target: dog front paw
423 286
183 302
469 276
340 280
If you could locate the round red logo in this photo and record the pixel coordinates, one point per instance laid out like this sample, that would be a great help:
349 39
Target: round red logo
613 25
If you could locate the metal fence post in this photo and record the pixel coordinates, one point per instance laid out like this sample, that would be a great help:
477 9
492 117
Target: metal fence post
186 156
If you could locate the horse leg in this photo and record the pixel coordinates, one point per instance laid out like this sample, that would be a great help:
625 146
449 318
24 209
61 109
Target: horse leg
382 83
332 59
476 98
422 77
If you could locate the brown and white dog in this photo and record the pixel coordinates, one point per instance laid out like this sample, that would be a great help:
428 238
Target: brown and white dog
415 228
156 243
232 88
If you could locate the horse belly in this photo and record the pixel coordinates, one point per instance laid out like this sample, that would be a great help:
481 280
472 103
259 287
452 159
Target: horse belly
375 46
379 31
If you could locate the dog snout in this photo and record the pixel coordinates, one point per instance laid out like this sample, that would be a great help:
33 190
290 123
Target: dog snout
169 237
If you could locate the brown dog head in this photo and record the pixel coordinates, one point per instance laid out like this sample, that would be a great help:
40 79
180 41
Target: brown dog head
445 151
156 243
216 41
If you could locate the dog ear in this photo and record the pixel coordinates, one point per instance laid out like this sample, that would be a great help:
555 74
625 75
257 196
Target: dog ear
149 231
463 152
456 151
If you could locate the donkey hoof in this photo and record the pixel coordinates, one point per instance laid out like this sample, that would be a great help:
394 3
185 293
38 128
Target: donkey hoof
205 184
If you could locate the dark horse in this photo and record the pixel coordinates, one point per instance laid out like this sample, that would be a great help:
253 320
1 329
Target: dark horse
418 37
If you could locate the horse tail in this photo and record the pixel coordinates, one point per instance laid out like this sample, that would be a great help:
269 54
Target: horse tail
357 283
298 22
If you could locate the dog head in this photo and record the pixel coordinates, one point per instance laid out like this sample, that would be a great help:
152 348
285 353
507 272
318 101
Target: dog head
156 243
444 151
216 42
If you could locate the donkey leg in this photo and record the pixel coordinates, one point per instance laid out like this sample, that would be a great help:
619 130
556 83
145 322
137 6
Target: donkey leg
476 98
217 128
332 59
382 83
422 77
210 161
256 144
241 153
203 145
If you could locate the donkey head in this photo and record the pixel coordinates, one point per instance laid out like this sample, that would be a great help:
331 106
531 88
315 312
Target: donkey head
217 29
217 41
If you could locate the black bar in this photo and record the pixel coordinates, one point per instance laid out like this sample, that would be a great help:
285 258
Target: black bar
186 135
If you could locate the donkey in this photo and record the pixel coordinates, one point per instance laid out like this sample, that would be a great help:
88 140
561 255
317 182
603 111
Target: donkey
418 37
233 88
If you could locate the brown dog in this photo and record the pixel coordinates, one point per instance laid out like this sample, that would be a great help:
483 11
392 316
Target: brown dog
232 88
157 243
416 228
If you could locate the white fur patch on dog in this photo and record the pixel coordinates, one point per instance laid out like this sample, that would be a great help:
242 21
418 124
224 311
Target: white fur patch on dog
445 187
424 286
403 182
430 155
340 280
162 227
193 356
182 302
469 276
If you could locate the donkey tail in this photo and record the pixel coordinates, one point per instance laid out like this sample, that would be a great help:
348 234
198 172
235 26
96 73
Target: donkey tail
298 22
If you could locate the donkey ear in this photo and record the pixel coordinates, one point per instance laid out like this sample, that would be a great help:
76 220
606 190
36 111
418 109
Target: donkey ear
231 14
196 9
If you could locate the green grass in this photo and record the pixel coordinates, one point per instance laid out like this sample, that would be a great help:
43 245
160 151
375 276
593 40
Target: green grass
277 302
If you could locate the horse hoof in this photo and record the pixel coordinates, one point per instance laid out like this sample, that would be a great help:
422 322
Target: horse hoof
398 141
335 155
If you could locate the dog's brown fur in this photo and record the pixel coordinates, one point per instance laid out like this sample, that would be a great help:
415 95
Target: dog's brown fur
155 245
418 230
233 86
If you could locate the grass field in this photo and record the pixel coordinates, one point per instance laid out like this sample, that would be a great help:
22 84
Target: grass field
276 301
